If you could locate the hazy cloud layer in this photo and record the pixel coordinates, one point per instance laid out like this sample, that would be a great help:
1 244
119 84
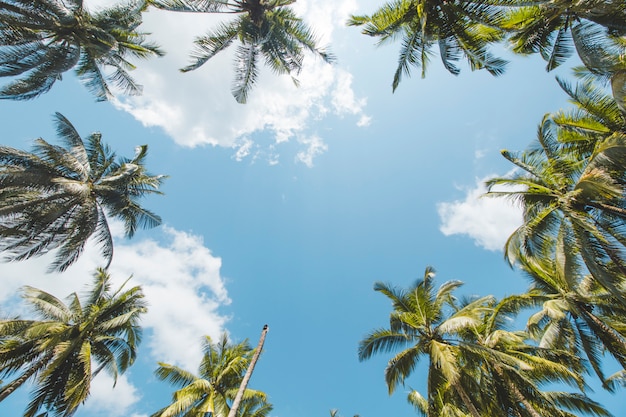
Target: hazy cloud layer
197 108
488 221
183 287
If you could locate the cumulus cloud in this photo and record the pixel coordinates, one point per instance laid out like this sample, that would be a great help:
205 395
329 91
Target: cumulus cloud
184 290
488 221
105 399
197 108
180 278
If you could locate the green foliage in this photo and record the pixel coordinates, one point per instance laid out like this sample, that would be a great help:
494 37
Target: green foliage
458 28
59 197
57 350
39 41
469 350
267 29
212 391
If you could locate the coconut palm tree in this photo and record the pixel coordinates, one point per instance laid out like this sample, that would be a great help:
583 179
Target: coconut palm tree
220 374
59 350
513 369
458 28
264 28
571 199
59 197
575 312
424 323
476 366
553 27
41 40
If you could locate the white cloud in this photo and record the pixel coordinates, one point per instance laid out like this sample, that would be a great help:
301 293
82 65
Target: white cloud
197 108
489 221
184 290
315 147
179 276
105 399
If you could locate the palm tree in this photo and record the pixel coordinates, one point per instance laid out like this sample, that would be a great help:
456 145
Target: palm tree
267 28
458 28
572 197
424 322
476 366
60 349
512 368
41 40
221 372
58 197
553 27
576 313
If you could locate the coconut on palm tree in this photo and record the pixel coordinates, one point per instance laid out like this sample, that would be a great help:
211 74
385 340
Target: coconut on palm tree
57 198
69 344
458 28
265 29
41 40
214 387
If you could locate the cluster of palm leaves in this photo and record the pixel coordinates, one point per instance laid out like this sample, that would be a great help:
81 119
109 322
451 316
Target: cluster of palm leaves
596 29
264 28
68 344
59 197
41 40
571 184
214 389
476 365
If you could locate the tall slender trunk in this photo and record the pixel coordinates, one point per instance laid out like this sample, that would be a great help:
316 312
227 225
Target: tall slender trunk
466 399
616 338
246 378
9 388
516 392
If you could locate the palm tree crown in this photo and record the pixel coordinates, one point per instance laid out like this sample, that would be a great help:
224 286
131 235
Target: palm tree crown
267 28
40 40
571 186
59 350
475 366
58 197
552 27
212 391
458 28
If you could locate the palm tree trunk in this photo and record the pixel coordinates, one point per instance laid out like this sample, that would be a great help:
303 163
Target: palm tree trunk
466 399
246 378
615 337
516 393
9 388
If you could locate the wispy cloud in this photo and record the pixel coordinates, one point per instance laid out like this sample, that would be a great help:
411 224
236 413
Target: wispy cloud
488 221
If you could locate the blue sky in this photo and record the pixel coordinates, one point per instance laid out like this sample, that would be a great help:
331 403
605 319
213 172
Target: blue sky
286 210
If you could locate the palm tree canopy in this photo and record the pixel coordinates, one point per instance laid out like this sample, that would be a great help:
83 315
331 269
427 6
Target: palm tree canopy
571 186
59 348
219 376
555 28
41 40
469 350
263 28
58 197
458 28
